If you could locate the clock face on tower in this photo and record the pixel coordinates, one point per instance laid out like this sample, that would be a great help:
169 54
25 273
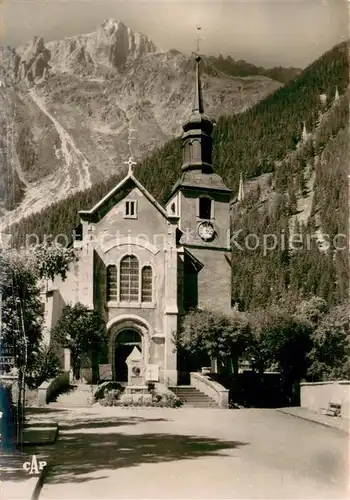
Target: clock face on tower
206 231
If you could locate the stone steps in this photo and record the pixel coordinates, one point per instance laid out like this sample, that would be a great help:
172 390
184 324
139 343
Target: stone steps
193 398
81 397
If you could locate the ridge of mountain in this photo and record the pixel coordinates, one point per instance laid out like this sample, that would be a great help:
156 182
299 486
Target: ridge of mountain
295 182
68 106
243 68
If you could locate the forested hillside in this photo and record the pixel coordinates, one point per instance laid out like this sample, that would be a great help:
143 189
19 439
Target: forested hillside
242 68
305 192
299 222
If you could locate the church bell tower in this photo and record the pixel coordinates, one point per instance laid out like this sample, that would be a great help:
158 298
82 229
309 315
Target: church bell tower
201 201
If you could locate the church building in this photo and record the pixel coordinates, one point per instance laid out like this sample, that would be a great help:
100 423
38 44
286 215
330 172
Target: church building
142 265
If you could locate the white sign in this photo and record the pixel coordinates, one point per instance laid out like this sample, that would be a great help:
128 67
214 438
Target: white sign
105 372
7 360
34 466
152 373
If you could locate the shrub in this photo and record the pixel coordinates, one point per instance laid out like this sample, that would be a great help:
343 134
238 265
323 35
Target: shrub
330 353
46 366
115 397
105 388
111 397
214 334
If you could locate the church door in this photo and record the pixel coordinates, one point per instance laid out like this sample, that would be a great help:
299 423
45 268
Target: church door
125 342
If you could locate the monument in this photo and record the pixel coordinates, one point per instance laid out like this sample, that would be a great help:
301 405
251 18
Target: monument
136 387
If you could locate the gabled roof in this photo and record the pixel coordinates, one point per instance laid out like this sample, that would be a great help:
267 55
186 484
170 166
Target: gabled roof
128 178
197 264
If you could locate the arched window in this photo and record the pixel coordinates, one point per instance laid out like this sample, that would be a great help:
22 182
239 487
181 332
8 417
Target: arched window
146 284
204 208
129 279
112 283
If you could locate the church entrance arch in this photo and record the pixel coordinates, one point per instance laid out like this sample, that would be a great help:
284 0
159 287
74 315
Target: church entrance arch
126 332
125 342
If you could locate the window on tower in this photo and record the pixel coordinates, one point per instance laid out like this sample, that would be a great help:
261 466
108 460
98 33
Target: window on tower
205 207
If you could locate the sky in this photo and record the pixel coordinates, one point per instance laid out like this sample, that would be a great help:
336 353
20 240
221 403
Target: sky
264 32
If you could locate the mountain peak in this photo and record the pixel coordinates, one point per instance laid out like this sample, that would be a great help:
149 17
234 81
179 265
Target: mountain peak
110 46
111 25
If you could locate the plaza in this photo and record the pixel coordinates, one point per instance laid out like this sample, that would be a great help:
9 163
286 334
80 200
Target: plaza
187 453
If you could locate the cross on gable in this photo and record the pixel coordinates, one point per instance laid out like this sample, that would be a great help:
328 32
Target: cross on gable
130 164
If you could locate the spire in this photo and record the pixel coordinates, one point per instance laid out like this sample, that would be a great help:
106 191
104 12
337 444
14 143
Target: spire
198 97
240 196
197 141
336 97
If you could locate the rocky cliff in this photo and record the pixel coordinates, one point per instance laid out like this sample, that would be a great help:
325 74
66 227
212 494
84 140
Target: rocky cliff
68 107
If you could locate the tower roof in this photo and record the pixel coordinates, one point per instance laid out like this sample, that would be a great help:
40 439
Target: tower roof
198 120
240 196
198 97
197 168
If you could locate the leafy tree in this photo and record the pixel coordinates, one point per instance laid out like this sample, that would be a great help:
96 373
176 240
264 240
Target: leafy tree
22 311
22 315
283 339
215 334
330 354
51 260
313 310
82 331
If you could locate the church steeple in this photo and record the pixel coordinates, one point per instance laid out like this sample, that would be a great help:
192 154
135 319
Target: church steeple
197 141
240 196
198 96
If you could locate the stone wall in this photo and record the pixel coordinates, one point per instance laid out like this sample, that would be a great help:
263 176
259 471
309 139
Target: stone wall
214 280
317 395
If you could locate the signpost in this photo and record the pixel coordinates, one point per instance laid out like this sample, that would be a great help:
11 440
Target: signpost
6 364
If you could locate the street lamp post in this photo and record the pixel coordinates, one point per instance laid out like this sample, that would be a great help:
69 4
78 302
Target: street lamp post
0 316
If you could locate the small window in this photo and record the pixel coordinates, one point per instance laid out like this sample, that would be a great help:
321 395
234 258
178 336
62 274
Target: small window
146 287
205 208
112 293
130 209
173 208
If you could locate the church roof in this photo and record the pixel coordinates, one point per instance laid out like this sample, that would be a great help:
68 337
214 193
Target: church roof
198 119
197 264
129 178
196 180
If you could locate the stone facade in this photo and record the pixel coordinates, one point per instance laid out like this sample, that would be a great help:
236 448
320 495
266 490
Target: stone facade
142 266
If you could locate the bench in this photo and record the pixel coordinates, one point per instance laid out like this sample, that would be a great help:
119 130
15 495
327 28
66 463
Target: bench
333 410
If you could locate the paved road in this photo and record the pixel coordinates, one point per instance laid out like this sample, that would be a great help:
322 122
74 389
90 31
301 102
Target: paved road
110 453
